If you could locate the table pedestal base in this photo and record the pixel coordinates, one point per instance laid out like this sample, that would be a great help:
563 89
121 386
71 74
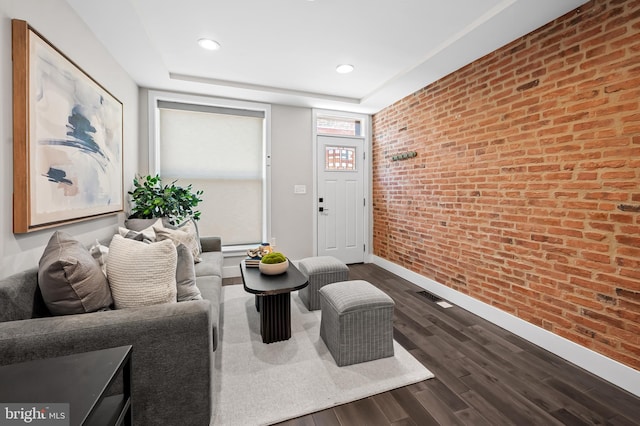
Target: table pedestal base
275 317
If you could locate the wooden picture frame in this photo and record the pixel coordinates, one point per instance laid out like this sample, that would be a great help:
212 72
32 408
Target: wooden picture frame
67 138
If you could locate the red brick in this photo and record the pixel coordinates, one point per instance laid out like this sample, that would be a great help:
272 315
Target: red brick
514 200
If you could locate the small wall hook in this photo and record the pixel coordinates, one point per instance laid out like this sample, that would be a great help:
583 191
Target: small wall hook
404 156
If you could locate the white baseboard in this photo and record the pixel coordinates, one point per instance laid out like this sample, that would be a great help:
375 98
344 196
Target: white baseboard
610 370
230 271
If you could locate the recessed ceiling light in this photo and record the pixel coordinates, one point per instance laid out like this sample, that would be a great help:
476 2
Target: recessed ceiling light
344 68
209 44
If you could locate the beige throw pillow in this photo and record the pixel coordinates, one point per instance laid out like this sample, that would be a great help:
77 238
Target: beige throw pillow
189 225
186 235
141 274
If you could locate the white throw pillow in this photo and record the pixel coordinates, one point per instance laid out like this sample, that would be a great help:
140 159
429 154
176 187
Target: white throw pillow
100 253
141 274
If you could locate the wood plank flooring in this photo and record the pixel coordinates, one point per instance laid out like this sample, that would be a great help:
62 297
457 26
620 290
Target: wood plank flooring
484 375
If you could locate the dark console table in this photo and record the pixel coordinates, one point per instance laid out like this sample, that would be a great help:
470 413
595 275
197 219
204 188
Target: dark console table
273 299
79 380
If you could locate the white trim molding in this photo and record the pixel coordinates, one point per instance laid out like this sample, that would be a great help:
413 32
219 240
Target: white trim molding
608 369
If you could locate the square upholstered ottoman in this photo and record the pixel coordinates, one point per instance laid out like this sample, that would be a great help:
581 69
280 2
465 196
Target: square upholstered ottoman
357 322
321 270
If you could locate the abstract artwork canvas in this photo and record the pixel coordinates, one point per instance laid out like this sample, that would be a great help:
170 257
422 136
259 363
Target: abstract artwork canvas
67 138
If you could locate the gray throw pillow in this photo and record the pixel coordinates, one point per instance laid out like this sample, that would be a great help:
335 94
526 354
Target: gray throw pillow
135 235
70 279
186 276
148 234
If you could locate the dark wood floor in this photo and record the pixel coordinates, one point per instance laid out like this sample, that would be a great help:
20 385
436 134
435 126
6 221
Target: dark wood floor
484 375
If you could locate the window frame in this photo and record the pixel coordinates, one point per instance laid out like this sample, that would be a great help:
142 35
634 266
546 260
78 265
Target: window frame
154 160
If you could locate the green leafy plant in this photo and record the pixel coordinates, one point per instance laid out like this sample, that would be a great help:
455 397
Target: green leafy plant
150 199
274 257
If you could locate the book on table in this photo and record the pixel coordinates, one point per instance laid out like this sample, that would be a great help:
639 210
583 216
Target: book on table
252 262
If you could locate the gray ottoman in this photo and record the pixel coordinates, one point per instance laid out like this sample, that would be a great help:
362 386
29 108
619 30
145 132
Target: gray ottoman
357 322
320 270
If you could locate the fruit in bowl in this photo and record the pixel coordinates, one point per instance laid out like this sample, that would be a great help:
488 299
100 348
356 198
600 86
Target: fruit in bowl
273 264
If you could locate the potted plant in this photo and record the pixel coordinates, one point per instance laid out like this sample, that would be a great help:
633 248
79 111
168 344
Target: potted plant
273 263
151 199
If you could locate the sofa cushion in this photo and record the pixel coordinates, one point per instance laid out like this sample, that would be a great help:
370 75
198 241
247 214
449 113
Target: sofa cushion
141 274
186 275
211 264
70 279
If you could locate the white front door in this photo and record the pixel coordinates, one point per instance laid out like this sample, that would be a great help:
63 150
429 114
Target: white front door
341 198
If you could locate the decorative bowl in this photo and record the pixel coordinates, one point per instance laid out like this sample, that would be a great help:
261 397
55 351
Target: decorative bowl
273 268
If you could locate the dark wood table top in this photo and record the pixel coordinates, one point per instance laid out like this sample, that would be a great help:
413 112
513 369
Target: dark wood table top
78 380
257 283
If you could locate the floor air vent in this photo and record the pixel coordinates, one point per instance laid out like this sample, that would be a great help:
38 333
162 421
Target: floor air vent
433 298
429 296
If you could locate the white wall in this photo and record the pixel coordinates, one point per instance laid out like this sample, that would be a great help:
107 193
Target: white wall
58 23
292 164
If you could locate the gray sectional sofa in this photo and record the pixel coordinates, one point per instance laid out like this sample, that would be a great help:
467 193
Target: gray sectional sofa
173 344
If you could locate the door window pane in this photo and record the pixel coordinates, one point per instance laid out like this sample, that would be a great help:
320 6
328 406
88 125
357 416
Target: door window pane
340 158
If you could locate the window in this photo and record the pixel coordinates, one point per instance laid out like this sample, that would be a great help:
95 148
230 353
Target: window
340 126
220 149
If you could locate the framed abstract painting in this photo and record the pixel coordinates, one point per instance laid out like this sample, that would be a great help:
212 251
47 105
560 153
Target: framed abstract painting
67 138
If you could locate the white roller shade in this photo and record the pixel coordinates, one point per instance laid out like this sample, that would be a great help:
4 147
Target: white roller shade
223 154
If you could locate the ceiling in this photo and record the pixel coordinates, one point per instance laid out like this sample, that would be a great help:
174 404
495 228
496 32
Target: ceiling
286 51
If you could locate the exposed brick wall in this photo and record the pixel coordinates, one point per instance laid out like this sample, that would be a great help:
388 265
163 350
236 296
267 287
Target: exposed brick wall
525 193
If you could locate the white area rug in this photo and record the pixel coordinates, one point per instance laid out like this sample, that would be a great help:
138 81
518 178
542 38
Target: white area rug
257 383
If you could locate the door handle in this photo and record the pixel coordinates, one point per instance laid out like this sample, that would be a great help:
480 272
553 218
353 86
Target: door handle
323 209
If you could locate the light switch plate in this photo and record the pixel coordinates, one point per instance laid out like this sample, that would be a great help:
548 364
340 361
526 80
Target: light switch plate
299 189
